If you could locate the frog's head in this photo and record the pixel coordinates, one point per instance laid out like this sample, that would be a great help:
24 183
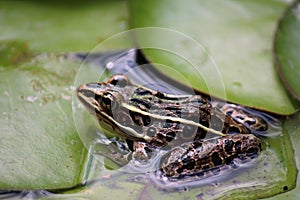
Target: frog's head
103 98
106 101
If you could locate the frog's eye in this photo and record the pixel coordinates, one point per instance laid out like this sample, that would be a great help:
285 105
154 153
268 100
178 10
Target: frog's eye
119 80
109 101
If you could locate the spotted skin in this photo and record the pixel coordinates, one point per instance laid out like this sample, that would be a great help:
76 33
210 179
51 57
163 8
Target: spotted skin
200 156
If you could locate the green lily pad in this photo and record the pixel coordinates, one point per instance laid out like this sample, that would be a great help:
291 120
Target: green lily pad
293 129
40 147
237 35
60 26
286 46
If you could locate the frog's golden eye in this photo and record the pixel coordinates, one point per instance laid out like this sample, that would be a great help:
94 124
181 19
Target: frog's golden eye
109 101
119 80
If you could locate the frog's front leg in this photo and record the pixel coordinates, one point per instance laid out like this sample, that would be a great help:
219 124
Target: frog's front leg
141 151
114 151
121 153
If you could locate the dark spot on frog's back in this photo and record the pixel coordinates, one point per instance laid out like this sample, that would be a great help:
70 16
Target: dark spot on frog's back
170 136
216 159
188 163
179 170
171 124
141 102
176 110
197 144
238 147
229 146
233 130
161 95
253 151
229 112
142 92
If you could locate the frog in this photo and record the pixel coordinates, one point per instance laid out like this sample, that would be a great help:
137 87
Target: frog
199 135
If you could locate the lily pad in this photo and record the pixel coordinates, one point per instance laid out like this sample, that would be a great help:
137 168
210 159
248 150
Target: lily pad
237 36
40 147
286 47
293 129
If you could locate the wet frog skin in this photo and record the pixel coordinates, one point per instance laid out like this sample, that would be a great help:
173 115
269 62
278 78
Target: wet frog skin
199 157
147 119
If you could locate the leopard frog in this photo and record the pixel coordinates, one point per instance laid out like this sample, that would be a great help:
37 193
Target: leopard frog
200 135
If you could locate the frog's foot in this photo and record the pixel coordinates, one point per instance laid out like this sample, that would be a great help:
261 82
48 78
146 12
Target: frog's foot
142 152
